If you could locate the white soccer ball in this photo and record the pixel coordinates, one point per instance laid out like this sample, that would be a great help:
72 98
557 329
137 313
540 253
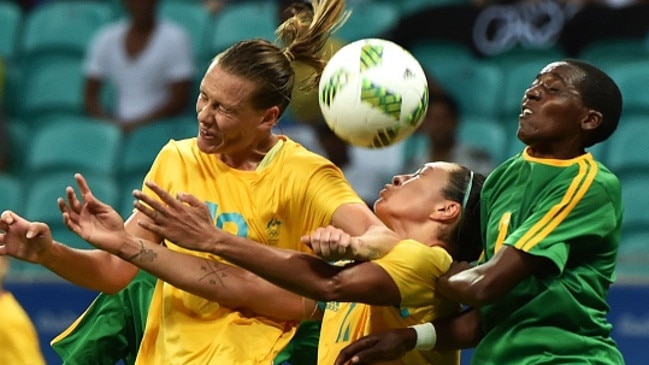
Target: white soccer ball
373 93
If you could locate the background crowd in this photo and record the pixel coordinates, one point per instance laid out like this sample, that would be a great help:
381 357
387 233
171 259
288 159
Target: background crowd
66 106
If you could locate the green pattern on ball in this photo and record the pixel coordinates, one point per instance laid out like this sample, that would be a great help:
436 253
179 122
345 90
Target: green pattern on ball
336 82
380 98
385 136
414 117
371 56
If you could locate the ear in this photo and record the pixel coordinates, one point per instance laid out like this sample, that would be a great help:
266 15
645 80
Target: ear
446 211
270 118
592 120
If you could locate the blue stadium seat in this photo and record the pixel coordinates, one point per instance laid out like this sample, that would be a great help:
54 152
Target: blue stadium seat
194 18
88 148
243 20
63 27
487 134
10 22
476 88
609 54
439 58
55 87
632 79
627 148
633 256
369 19
142 145
12 196
41 205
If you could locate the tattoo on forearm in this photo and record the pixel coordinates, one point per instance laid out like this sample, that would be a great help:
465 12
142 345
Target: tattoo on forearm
373 253
214 272
146 255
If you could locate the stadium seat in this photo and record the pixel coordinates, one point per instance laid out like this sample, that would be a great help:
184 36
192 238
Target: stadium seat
632 79
476 88
243 20
88 148
12 196
19 140
516 80
142 145
612 53
10 22
440 58
411 6
55 87
627 148
193 17
43 191
63 27
369 19
636 201
517 55
633 256
485 133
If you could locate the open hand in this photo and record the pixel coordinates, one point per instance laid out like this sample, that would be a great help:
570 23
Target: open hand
97 223
22 239
184 220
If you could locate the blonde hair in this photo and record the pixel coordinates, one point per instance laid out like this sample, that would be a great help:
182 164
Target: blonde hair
300 38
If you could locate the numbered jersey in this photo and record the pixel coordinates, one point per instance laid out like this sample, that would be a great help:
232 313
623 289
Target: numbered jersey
295 192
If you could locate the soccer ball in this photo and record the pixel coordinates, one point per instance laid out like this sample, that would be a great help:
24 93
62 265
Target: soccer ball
373 93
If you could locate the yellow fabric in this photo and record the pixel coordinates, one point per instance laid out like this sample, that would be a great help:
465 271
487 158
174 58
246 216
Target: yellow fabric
305 107
18 338
295 193
415 268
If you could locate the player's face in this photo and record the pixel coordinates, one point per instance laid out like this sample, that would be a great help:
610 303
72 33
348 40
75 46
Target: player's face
227 121
414 196
552 108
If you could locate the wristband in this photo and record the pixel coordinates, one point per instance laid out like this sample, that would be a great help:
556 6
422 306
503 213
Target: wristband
426 336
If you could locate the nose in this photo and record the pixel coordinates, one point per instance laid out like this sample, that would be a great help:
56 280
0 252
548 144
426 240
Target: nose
399 179
204 114
533 92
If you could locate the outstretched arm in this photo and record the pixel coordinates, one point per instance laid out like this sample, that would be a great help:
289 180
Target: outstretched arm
298 272
233 287
32 242
483 284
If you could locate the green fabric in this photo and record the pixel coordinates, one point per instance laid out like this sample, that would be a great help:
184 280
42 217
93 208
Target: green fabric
112 327
303 348
570 213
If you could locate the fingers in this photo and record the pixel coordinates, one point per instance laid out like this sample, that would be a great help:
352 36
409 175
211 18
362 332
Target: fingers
37 229
73 201
164 196
7 218
190 199
151 227
148 205
83 185
352 353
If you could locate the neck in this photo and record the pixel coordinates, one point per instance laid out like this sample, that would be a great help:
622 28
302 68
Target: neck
249 158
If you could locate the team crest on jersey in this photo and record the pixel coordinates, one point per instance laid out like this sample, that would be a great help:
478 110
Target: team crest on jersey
272 230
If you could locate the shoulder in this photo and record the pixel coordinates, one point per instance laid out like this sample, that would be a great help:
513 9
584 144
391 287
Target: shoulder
112 31
170 29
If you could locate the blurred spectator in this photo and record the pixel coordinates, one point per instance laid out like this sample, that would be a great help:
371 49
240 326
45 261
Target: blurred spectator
437 139
17 333
149 63
304 108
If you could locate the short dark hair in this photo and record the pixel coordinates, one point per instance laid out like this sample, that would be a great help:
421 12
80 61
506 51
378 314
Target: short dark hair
598 91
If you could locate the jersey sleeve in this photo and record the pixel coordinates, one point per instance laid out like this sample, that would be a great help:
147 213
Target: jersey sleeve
571 215
415 268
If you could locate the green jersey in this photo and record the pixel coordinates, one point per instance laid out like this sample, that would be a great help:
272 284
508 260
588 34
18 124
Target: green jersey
569 212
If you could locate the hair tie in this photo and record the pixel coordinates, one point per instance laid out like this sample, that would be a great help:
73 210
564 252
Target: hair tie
289 55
